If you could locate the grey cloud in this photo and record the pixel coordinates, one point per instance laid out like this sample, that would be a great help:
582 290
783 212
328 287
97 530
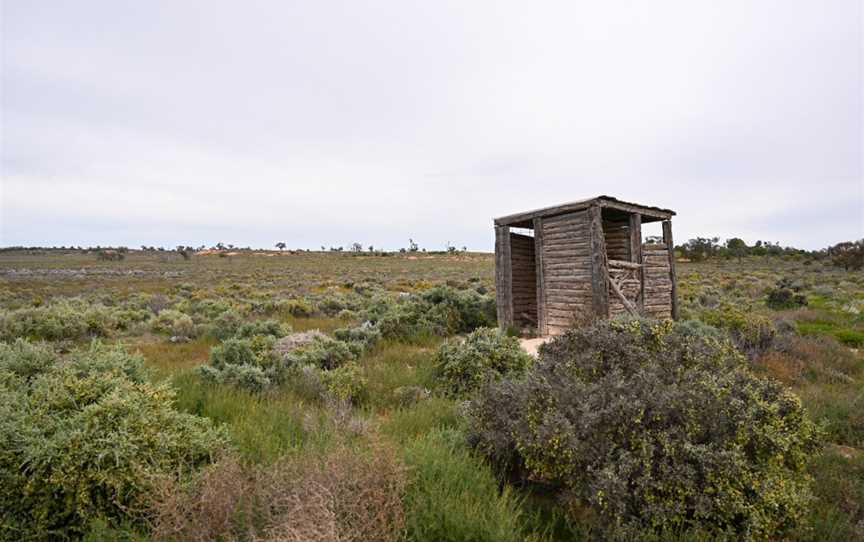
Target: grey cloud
383 120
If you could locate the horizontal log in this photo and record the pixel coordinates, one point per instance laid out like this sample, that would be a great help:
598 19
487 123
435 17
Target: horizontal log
569 226
569 289
561 262
577 235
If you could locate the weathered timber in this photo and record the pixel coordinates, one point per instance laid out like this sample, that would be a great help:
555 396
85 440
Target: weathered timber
599 273
539 273
585 259
670 247
653 213
503 277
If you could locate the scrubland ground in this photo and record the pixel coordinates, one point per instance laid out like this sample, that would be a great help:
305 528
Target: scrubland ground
363 444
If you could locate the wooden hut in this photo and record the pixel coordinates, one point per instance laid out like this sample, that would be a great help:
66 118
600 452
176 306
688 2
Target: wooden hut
582 260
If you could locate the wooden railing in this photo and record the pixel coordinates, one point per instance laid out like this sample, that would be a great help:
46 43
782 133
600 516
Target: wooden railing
625 277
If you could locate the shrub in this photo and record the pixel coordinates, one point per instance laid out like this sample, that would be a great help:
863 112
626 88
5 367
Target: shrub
298 307
84 439
785 295
225 325
233 352
294 341
174 323
657 429
440 311
322 352
246 376
270 328
359 339
247 363
752 332
462 365
345 383
64 320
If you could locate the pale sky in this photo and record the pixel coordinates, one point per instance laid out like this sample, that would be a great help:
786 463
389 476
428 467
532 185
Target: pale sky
324 123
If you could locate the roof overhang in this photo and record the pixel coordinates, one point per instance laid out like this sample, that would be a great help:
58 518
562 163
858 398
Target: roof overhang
526 219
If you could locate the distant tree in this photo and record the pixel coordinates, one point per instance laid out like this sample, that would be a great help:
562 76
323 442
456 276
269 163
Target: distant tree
412 246
371 248
848 254
185 252
700 248
281 245
736 247
654 239
356 247
450 248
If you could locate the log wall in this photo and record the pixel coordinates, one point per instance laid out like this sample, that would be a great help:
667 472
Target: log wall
524 281
566 270
617 236
658 281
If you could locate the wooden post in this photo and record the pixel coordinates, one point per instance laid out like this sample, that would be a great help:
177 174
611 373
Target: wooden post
670 247
503 277
542 327
636 254
599 269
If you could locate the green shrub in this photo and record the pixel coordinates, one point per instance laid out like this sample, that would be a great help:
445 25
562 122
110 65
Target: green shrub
345 383
246 376
785 295
233 352
322 352
270 328
299 308
752 332
246 363
359 339
64 320
462 365
440 311
174 323
85 438
657 429
225 325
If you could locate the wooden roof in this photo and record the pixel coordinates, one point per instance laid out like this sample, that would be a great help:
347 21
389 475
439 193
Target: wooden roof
525 219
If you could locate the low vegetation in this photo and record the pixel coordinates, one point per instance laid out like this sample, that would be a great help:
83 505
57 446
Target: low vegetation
656 427
309 396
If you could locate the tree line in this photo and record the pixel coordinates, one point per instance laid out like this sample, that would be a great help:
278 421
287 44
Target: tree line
847 254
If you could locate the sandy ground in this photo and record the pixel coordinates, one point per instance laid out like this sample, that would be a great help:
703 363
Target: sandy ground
531 345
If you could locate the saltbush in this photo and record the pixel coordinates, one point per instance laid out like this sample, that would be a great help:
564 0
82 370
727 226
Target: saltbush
439 311
345 383
656 428
462 365
174 323
270 328
785 295
359 339
85 437
752 332
323 352
63 320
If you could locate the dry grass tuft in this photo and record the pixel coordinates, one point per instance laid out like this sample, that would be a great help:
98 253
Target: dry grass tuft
344 496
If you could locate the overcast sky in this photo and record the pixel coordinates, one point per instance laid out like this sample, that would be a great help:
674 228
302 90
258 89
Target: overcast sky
323 123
